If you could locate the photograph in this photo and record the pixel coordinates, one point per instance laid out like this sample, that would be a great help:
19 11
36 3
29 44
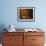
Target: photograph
26 14
22 23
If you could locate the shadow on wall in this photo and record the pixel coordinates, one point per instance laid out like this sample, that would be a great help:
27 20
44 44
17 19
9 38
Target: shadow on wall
2 26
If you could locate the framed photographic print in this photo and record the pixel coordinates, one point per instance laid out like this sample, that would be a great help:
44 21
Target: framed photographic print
26 14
